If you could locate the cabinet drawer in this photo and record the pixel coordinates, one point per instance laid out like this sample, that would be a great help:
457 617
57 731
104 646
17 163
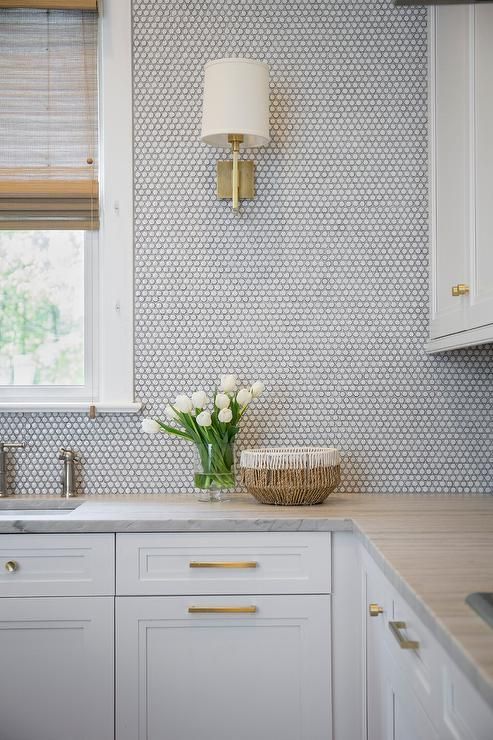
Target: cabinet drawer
56 564
224 563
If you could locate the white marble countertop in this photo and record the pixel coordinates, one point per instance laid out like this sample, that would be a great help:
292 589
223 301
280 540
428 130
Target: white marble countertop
166 513
435 549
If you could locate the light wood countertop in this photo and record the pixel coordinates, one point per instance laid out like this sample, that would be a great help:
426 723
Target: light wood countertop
436 550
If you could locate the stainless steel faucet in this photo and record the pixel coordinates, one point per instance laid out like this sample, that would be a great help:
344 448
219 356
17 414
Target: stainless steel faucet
3 464
68 476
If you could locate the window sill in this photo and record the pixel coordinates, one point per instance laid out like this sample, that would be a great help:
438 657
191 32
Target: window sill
81 407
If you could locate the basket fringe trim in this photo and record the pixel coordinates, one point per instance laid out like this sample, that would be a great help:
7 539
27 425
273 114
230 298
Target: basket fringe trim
283 458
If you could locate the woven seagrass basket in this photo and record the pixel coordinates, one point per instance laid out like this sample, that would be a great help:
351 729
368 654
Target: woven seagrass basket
290 476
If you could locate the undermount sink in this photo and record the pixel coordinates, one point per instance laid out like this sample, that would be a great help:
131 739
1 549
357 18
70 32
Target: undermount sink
482 603
12 508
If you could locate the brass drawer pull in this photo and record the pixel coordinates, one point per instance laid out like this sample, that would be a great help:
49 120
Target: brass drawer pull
246 564
404 643
222 609
375 610
11 566
460 289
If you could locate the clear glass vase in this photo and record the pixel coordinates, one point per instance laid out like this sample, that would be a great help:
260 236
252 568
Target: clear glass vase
214 473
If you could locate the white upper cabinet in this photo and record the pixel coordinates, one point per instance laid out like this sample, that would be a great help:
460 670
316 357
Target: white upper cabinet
481 306
461 169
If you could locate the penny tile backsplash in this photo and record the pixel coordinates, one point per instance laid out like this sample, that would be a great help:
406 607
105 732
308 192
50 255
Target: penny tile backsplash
318 288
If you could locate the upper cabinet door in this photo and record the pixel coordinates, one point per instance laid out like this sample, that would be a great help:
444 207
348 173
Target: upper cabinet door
461 171
481 255
449 154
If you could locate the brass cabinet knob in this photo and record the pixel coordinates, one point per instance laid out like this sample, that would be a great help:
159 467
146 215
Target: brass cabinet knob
11 566
460 289
375 610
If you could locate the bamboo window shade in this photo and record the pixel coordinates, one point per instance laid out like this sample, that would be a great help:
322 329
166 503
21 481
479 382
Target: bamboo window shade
48 115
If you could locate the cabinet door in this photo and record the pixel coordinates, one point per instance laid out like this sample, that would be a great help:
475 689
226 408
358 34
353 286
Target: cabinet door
465 714
449 155
461 168
481 268
394 712
262 675
56 668
410 721
380 693
379 685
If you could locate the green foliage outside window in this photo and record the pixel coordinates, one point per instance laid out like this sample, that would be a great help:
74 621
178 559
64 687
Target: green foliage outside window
41 307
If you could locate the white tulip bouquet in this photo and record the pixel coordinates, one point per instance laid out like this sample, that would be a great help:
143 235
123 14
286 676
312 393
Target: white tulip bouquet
211 431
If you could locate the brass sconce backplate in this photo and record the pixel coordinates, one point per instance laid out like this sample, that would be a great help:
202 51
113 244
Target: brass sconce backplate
225 179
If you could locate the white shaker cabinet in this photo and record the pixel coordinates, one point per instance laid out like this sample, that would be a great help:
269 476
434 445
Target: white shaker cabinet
394 712
204 651
56 652
413 689
461 169
56 668
409 720
238 674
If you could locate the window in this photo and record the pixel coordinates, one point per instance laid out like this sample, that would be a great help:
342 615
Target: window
42 285
65 252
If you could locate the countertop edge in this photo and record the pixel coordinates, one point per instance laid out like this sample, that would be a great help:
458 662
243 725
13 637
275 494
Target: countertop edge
223 524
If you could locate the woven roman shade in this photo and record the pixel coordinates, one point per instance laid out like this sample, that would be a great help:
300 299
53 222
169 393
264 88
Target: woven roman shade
51 4
48 116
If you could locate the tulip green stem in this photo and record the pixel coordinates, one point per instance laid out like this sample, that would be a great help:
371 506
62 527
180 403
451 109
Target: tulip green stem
214 441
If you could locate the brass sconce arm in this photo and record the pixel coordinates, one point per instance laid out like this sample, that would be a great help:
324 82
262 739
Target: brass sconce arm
235 140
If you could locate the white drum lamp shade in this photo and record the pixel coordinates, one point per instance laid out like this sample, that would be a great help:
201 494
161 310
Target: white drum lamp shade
236 101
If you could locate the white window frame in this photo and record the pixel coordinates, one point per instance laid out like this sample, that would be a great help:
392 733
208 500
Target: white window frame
109 355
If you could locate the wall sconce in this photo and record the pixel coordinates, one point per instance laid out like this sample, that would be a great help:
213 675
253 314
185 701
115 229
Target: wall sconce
235 113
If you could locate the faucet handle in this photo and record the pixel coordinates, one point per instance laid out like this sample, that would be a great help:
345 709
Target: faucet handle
11 445
65 453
